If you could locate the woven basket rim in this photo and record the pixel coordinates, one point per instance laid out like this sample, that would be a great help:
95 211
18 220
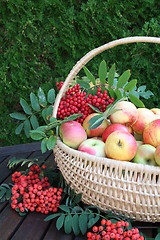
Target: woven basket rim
104 160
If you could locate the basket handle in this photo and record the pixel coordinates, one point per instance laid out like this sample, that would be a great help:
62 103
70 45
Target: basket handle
84 60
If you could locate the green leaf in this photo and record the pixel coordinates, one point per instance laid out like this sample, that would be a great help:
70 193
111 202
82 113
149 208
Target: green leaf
44 114
8 194
75 225
34 122
44 145
27 127
60 222
19 129
77 209
147 94
52 216
122 80
142 88
96 121
78 198
158 236
18 116
64 208
118 93
51 96
49 112
111 92
5 185
68 224
102 73
83 83
136 101
111 75
92 221
51 142
37 134
83 223
72 117
25 106
34 102
131 85
89 75
53 120
94 108
42 98
2 193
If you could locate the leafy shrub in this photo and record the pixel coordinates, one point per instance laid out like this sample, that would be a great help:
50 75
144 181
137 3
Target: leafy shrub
42 40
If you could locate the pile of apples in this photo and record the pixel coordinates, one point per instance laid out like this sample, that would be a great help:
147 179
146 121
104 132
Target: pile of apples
130 134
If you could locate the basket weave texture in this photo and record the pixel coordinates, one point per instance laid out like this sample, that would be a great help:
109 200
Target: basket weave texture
123 187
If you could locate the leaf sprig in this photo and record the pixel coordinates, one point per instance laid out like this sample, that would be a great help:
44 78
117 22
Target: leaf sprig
5 192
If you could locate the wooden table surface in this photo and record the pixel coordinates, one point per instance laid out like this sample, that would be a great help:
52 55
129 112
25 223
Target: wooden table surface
32 226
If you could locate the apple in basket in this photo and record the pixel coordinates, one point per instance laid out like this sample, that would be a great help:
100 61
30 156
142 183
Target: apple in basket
145 116
156 111
145 155
121 145
93 146
112 128
72 134
96 132
157 155
151 133
126 114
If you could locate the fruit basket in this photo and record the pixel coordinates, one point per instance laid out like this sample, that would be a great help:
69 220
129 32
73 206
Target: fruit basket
125 188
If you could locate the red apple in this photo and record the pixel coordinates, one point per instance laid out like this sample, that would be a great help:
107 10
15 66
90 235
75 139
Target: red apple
97 132
113 127
151 133
127 113
121 145
145 116
157 155
93 146
72 134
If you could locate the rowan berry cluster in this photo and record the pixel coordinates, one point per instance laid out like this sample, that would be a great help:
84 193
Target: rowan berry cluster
75 101
117 231
59 85
31 192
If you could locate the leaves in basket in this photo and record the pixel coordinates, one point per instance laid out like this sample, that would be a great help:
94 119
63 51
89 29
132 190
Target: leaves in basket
111 75
123 79
84 83
130 85
89 75
96 121
136 101
102 72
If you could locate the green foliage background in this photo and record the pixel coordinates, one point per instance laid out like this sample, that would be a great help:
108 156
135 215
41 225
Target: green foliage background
40 41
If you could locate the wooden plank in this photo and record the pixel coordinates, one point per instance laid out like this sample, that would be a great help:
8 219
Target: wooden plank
4 171
53 233
2 158
33 227
9 219
29 147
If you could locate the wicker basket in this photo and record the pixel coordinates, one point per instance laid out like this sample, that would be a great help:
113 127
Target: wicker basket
127 188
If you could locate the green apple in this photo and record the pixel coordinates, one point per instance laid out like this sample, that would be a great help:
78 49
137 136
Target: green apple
145 155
